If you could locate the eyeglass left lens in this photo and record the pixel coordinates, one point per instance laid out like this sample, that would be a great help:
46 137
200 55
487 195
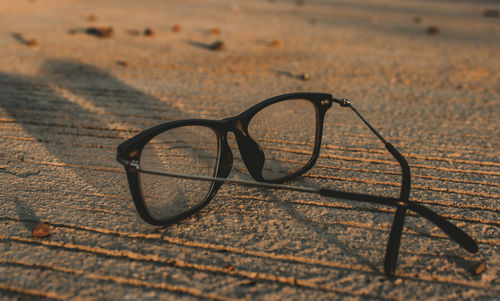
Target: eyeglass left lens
191 150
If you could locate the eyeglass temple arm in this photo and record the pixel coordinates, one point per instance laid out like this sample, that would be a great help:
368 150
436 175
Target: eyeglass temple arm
393 244
455 233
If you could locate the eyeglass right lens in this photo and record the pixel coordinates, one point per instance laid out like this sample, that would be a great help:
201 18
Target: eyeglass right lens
191 150
286 131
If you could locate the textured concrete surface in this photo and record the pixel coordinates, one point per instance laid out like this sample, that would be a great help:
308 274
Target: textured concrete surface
66 103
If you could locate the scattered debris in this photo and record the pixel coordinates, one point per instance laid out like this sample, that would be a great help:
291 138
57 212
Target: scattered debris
490 13
275 43
432 30
417 20
149 32
100 32
304 76
215 30
176 28
478 269
32 42
91 18
28 42
217 46
122 63
41 230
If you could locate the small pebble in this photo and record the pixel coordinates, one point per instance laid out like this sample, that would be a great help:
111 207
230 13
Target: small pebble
176 28
275 43
215 30
91 18
217 46
478 269
432 30
122 63
229 267
398 281
41 230
32 42
490 13
149 32
100 32
305 76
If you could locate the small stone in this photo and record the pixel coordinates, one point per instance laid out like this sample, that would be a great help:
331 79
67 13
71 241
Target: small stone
229 267
148 32
91 18
215 30
478 269
217 46
176 28
305 76
275 43
41 230
32 42
490 13
100 32
432 30
398 281
122 63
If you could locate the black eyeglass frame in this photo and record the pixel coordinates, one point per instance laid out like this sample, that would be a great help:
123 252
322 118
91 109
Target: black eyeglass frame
129 155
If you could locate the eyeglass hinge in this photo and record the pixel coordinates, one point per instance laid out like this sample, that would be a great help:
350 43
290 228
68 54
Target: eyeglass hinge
133 166
344 102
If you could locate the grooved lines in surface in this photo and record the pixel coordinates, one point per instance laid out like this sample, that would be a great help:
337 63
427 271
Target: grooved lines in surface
36 292
102 277
314 203
215 269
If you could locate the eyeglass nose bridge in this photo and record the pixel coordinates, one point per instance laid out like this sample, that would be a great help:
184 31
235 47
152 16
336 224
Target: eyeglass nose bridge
251 152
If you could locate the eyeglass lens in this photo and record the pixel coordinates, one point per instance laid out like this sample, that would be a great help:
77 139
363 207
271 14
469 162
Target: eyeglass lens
186 150
286 132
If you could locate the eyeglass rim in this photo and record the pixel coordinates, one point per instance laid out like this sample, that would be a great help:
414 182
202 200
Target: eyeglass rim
131 149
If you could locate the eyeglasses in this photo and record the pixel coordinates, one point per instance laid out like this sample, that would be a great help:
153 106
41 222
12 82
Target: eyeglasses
174 169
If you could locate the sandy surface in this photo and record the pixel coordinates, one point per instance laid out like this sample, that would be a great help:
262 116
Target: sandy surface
65 105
